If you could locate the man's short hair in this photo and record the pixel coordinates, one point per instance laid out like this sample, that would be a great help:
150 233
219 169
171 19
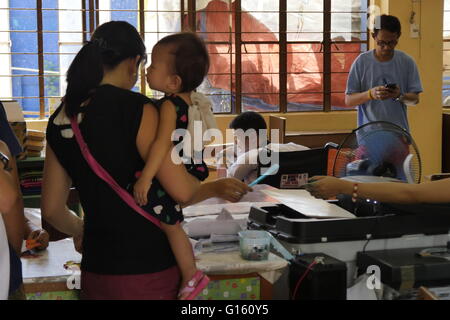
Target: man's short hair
388 23
248 120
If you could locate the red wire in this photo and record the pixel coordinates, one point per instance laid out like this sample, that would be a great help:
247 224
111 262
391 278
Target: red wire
302 277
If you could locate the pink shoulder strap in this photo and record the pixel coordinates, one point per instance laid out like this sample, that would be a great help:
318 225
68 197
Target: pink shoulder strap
105 176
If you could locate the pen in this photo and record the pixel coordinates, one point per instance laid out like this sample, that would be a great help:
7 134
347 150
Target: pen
268 172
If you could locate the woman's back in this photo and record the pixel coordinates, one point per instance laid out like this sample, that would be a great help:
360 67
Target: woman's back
117 240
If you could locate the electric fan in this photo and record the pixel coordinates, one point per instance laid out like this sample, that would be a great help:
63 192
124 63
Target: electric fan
377 152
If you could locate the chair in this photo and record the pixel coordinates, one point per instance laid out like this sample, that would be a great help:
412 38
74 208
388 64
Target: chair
277 123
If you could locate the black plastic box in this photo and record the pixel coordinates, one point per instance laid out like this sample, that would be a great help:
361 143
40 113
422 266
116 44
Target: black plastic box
327 281
405 268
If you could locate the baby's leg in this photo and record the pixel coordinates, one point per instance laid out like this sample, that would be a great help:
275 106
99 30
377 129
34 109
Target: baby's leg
182 249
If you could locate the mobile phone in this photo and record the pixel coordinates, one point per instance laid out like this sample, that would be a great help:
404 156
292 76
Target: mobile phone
391 86
440 176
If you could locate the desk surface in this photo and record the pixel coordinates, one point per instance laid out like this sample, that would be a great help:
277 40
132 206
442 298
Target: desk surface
49 265
232 263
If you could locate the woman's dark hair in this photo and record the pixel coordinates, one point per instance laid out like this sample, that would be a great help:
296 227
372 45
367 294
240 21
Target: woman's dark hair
191 58
388 23
248 120
111 43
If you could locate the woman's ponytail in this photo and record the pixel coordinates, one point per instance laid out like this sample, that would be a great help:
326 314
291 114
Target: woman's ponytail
111 43
84 74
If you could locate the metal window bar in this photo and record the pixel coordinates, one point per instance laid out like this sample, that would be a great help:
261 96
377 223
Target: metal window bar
90 9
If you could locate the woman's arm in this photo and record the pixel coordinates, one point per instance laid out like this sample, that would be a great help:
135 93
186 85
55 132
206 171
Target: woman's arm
55 191
174 178
396 192
12 204
8 191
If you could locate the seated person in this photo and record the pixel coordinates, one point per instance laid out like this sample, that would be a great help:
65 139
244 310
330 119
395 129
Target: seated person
241 159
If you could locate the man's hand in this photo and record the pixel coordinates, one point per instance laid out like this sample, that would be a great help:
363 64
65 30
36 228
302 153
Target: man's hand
383 93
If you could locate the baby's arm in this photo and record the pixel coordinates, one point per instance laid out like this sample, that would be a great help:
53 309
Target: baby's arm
158 151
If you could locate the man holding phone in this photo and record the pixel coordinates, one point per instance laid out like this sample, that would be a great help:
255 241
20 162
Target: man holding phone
383 81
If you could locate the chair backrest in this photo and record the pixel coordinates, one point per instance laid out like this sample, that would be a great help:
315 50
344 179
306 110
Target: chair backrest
280 124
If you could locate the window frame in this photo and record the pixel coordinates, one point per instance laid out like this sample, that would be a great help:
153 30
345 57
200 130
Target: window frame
90 12
326 45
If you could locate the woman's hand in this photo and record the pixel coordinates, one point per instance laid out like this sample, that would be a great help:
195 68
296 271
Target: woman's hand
230 189
325 187
41 236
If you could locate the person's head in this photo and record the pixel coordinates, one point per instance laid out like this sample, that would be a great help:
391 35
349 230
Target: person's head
113 44
386 32
179 63
247 122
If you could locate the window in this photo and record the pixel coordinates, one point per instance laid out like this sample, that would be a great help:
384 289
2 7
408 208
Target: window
280 56
446 56
266 55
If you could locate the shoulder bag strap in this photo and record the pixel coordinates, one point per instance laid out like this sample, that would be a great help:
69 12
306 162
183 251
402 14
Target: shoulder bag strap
105 176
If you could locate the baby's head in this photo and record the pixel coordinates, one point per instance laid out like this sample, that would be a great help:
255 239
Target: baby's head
179 63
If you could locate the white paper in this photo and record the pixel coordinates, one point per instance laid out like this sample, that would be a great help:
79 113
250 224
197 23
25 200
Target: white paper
360 291
224 224
215 206
303 202
214 209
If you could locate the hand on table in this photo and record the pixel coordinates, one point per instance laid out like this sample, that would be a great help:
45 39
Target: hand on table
39 236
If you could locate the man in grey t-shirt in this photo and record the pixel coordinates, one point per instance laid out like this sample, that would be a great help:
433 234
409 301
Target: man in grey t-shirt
383 81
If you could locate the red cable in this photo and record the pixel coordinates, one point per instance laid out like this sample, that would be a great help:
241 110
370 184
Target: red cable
302 277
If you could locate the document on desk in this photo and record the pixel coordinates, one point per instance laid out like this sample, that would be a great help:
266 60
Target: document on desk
303 202
214 206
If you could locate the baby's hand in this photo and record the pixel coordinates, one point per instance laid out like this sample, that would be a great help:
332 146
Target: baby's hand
140 191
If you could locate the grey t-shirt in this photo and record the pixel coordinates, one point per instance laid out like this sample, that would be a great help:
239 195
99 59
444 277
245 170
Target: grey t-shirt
367 72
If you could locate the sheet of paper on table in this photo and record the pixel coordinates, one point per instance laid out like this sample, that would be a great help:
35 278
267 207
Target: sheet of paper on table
214 206
302 201
49 265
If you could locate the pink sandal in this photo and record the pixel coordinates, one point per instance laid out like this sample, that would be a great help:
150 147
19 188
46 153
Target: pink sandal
194 286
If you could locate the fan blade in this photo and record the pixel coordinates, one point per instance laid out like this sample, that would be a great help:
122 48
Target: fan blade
407 168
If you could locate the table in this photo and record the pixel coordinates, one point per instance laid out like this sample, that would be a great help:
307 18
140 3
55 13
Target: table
45 277
232 278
